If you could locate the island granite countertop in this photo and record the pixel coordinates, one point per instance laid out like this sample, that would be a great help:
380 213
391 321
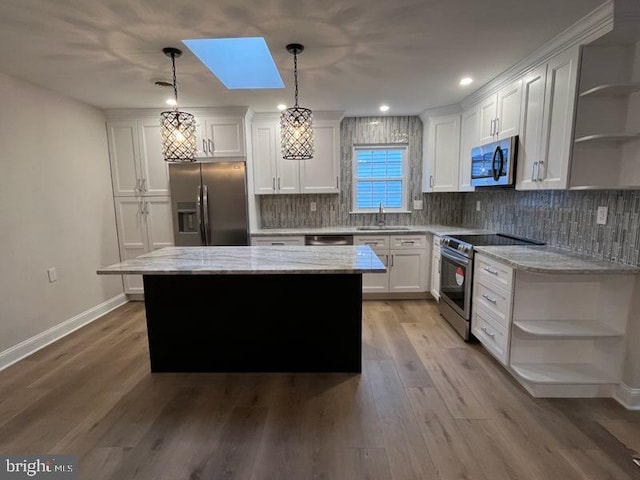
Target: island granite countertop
245 260
369 230
551 260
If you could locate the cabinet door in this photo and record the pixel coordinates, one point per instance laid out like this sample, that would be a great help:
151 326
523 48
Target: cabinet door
435 269
407 271
288 171
132 236
444 152
154 171
226 135
159 223
124 154
488 112
509 101
531 121
264 158
377 282
469 138
321 173
560 98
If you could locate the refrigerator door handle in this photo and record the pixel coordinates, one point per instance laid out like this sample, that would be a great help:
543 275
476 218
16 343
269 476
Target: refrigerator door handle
205 213
199 213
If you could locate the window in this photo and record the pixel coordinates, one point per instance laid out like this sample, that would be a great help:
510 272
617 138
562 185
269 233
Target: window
380 175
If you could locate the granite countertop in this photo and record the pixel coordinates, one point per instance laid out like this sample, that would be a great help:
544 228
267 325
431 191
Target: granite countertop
545 259
244 260
354 230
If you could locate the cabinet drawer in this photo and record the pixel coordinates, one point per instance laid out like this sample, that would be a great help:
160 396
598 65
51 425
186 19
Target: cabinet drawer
494 273
376 242
408 241
494 300
491 334
277 241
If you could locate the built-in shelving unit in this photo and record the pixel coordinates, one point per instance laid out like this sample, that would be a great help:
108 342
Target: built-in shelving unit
562 373
612 90
568 328
609 137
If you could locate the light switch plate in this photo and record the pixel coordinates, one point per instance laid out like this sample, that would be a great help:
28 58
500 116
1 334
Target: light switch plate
417 205
477 205
314 206
602 215
53 274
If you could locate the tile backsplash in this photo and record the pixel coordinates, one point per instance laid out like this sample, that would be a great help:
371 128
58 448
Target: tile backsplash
565 219
294 211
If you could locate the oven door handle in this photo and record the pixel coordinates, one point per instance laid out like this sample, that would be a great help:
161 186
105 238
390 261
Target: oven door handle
456 257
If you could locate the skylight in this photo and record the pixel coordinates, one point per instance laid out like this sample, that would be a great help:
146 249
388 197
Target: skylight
243 62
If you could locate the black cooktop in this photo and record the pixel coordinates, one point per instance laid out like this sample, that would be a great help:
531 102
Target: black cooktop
494 239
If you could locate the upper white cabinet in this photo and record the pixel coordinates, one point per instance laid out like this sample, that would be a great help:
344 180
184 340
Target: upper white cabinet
548 107
442 156
500 113
272 174
469 138
137 165
220 137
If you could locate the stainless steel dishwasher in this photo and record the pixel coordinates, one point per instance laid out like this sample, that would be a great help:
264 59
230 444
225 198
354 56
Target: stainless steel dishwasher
328 240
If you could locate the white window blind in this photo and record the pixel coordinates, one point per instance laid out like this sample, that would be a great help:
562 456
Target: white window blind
379 176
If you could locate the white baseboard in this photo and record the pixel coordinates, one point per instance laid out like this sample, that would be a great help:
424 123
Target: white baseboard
628 397
31 345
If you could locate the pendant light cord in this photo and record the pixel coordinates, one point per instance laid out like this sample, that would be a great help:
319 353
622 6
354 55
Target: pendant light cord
295 73
175 83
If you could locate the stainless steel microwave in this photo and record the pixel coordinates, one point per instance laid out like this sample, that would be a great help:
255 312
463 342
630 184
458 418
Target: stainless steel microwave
493 164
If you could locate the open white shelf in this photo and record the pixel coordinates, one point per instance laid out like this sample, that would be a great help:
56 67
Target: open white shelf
612 90
609 137
567 328
562 373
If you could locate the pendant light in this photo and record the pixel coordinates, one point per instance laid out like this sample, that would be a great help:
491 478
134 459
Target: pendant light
296 123
178 129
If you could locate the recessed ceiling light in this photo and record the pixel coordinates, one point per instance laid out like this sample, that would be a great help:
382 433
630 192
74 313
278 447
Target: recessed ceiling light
172 102
242 62
384 108
282 106
464 81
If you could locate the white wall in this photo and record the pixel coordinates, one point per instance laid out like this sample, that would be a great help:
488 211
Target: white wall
56 210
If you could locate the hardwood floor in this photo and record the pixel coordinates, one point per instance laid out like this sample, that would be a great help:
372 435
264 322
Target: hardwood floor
426 406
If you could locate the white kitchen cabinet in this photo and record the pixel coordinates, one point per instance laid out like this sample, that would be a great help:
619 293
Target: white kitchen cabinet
500 113
144 224
219 136
272 174
442 156
277 240
321 174
405 259
135 153
469 138
435 268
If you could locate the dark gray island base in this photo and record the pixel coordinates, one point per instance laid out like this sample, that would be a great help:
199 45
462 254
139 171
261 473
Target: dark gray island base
254 323
254 309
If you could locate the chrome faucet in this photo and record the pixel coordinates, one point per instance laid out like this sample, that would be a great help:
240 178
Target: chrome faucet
380 216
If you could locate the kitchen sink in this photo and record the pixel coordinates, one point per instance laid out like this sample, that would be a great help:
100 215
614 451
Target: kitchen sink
386 227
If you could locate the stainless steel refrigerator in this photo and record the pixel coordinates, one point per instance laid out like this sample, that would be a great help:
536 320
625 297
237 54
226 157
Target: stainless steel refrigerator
209 202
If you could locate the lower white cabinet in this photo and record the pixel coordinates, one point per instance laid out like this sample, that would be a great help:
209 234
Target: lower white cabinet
278 240
435 268
405 257
560 335
144 224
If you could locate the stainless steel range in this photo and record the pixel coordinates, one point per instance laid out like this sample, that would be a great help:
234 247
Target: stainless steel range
456 275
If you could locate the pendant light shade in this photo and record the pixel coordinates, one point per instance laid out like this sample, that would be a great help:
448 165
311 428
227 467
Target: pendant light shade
296 123
178 129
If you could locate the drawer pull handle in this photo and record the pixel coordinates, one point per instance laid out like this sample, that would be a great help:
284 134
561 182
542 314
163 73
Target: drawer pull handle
488 298
407 242
371 243
277 243
486 330
490 270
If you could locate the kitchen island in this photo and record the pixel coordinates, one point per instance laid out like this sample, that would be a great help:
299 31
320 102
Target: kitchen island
254 309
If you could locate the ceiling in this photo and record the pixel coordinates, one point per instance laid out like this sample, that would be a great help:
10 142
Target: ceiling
409 54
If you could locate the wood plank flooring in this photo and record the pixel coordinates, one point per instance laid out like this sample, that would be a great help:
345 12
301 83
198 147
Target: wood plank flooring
426 406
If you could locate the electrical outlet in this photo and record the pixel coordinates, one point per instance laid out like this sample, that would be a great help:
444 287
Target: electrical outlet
417 205
53 274
477 205
602 215
314 206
